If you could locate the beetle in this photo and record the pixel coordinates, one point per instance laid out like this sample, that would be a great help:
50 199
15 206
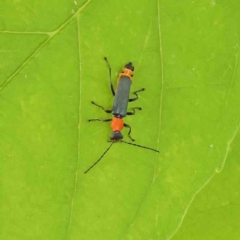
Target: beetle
119 109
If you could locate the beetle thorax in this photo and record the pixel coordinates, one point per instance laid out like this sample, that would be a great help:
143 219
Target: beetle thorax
117 124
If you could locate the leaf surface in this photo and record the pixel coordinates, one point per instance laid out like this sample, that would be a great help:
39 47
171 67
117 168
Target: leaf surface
186 56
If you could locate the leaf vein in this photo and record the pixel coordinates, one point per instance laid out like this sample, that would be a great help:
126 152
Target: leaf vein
53 34
78 138
160 123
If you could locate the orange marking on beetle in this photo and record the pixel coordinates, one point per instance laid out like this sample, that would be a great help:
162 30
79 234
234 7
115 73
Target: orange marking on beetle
127 73
117 124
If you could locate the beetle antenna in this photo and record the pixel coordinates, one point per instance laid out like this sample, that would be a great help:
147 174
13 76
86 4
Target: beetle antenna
140 146
99 158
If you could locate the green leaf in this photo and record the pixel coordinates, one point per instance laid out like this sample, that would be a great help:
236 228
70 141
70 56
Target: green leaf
214 213
186 56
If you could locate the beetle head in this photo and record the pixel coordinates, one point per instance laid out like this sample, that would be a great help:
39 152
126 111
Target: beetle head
116 136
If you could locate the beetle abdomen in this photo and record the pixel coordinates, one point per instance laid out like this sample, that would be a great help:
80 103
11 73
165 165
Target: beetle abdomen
122 96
